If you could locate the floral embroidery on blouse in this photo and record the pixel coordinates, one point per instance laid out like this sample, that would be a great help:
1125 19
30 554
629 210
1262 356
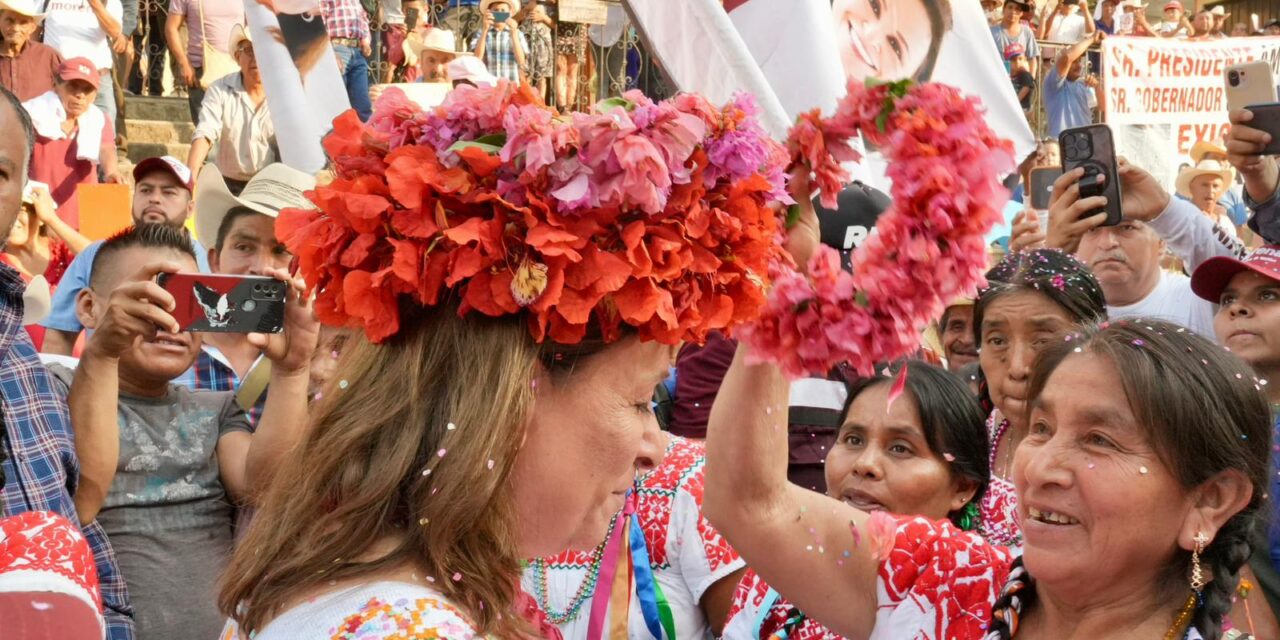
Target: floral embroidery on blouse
404 619
999 506
938 582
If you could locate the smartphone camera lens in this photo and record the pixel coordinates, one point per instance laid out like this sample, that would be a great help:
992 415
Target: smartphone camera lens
1233 78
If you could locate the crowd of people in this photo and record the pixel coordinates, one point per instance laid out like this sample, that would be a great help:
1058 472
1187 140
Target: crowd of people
1086 448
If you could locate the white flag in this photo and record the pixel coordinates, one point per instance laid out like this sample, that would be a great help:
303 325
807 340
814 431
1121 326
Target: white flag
701 51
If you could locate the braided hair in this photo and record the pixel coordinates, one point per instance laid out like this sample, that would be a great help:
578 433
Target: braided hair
1204 413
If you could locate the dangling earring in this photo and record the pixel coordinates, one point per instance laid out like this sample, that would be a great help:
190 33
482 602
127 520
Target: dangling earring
1197 574
969 517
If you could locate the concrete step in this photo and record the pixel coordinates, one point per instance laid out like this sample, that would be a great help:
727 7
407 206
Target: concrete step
159 109
158 131
139 151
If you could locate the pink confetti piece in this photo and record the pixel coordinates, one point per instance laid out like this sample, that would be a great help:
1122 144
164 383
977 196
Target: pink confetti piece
899 385
441 453
948 457
491 465
457 577
857 535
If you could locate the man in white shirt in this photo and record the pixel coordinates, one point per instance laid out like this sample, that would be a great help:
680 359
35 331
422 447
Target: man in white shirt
235 122
1067 23
88 29
1126 257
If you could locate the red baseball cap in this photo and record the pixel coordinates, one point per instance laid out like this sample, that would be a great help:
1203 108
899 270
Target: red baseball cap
1014 50
168 164
79 69
1173 4
1215 274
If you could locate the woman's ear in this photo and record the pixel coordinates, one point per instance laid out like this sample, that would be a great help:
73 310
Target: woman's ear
963 491
1213 503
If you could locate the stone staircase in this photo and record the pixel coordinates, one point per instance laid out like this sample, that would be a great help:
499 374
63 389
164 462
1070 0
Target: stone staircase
157 127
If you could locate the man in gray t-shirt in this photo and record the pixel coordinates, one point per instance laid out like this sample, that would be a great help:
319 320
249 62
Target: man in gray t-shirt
1012 29
164 467
167 515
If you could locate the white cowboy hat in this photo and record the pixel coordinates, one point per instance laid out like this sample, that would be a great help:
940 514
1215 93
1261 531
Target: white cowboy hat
1203 168
276 187
24 7
441 40
471 69
514 4
239 33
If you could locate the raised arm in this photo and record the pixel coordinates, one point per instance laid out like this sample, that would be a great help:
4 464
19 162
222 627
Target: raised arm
1068 57
134 310
247 462
47 211
791 536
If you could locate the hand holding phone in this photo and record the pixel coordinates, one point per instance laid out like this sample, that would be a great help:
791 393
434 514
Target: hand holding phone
1090 149
1070 214
225 304
137 309
291 350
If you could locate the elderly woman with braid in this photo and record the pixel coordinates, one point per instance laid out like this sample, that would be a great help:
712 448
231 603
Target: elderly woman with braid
1139 484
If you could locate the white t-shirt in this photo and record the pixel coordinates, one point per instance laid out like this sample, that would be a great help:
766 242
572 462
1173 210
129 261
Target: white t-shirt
1069 28
1173 301
72 29
1165 27
393 11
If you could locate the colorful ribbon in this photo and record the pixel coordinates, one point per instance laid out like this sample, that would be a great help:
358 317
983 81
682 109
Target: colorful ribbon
608 569
653 604
615 601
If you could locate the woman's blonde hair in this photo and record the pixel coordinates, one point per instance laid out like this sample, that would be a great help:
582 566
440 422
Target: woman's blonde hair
402 444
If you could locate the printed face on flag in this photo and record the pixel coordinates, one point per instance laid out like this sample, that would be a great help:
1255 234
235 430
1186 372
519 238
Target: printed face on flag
889 39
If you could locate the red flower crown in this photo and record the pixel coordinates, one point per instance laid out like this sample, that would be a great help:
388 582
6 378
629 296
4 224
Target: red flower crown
653 215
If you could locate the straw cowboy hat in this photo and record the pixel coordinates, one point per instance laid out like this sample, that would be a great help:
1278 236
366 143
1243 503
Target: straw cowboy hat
1203 168
278 186
441 40
1203 148
514 4
24 7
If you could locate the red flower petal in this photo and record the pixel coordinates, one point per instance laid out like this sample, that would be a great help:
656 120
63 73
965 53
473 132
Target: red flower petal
481 163
376 306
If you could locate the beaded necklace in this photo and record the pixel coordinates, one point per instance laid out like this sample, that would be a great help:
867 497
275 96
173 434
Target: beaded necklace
994 525
585 590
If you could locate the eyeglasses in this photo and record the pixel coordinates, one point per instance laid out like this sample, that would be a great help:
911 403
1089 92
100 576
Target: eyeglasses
244 49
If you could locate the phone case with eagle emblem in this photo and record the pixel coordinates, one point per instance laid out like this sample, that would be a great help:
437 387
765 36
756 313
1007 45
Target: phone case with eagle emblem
226 304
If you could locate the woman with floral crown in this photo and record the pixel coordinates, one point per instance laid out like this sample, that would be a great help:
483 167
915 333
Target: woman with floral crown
521 278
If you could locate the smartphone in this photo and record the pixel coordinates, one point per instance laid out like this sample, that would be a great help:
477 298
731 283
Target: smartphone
1091 148
1042 179
226 304
1249 83
1267 118
500 17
